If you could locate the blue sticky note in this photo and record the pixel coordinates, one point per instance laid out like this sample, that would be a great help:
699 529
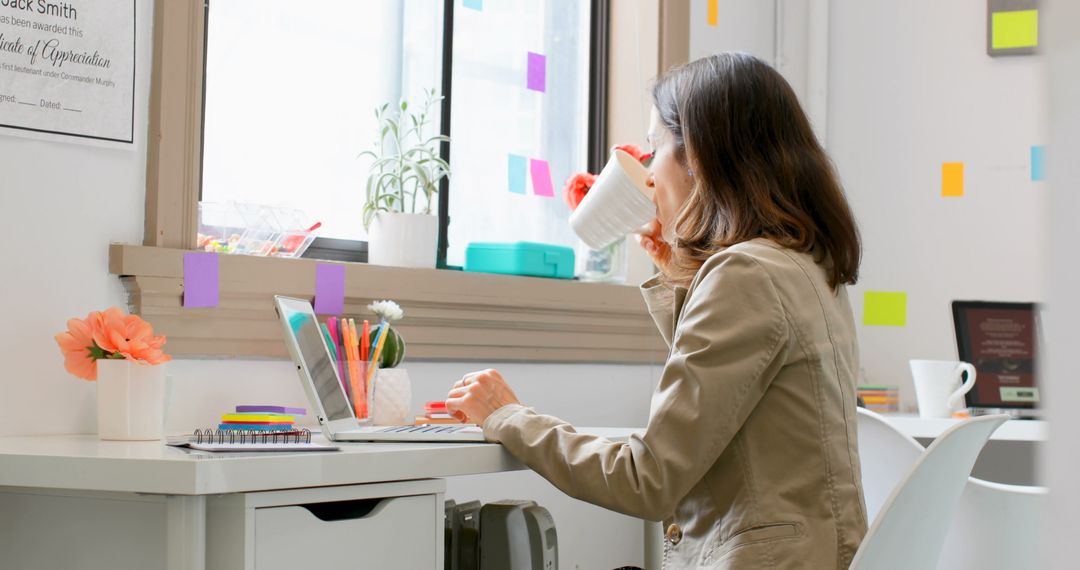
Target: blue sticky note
1038 163
516 173
200 279
474 4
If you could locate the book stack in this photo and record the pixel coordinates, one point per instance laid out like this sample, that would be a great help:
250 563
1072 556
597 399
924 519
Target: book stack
435 413
881 399
261 418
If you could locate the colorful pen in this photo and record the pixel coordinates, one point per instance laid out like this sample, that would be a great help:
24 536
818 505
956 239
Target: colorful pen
365 341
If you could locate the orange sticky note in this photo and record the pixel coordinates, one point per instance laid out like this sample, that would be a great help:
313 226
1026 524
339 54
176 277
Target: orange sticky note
713 11
952 179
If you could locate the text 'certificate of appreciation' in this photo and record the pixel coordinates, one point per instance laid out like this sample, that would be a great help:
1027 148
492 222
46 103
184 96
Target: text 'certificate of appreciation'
67 67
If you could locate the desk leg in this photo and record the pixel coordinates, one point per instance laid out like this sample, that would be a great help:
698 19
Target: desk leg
185 532
654 544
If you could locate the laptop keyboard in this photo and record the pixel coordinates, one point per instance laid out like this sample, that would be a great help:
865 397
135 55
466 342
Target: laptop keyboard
423 429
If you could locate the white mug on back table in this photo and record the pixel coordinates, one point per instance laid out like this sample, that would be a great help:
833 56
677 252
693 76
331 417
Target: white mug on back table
940 386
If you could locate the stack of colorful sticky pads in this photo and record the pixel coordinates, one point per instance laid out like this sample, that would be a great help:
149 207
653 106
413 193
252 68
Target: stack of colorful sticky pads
881 399
262 418
435 413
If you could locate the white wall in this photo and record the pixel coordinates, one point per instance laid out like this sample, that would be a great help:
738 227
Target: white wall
1061 464
67 202
907 92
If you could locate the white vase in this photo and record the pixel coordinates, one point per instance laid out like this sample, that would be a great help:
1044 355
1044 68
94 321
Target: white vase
131 400
403 240
391 397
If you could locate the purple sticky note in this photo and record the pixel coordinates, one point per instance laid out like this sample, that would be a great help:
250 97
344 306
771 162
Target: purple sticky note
541 178
200 279
329 289
537 72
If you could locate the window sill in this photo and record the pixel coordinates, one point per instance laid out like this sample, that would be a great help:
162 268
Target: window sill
450 315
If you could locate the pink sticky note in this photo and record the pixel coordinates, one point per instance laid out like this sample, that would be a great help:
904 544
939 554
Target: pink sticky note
541 178
537 80
329 289
200 279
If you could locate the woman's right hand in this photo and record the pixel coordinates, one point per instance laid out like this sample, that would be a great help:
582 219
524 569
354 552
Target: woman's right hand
651 239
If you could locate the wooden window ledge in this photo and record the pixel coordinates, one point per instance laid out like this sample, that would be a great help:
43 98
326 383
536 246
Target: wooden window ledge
449 315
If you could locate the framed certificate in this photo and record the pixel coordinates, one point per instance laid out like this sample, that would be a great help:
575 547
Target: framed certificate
1001 341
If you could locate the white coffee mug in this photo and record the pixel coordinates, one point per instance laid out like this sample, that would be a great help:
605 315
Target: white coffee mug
618 203
939 386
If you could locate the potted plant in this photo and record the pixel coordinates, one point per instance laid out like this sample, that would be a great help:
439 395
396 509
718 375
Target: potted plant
401 185
122 354
391 389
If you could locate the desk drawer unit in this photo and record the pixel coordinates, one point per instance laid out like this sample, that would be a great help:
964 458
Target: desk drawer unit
386 526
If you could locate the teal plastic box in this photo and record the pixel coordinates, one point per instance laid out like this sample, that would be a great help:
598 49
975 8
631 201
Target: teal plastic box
521 258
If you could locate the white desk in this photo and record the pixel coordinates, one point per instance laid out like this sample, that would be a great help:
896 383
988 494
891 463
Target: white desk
931 428
48 482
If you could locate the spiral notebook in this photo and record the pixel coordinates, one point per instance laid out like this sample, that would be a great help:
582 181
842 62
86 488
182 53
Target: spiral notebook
249 440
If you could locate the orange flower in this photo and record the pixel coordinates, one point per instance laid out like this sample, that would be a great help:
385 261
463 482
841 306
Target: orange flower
108 334
76 344
130 336
576 187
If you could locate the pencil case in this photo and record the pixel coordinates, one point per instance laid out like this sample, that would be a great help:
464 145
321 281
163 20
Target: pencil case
521 258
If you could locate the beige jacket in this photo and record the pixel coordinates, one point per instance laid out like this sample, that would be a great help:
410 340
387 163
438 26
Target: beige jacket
750 455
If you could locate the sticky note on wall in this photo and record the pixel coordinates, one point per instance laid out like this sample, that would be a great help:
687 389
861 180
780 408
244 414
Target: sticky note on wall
200 279
1015 29
885 308
515 173
1038 163
714 12
952 179
329 289
541 178
537 73
474 4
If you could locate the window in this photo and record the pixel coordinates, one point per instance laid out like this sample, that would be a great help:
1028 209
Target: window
291 89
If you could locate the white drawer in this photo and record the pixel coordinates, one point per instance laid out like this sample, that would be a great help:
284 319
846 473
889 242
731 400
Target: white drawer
387 533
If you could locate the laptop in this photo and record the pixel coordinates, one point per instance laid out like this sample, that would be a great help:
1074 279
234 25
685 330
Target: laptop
1001 340
326 393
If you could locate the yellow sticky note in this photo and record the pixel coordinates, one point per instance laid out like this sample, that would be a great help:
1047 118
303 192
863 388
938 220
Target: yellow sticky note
885 308
1018 29
714 10
952 179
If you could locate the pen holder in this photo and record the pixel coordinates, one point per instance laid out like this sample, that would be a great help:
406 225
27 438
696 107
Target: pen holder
359 392
391 397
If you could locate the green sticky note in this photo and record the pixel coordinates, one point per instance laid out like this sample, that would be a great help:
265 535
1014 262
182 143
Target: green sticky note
1010 30
885 308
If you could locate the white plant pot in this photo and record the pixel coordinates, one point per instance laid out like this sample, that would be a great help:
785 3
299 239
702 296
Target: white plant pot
391 397
403 240
131 400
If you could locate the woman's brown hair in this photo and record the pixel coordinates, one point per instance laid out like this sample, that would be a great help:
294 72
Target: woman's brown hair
758 169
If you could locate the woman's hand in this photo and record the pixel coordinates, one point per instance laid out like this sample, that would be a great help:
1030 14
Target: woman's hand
651 239
477 395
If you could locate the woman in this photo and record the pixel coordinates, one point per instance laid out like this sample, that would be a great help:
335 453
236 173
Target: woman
749 455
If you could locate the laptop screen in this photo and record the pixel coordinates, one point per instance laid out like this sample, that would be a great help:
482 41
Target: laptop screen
315 357
1000 340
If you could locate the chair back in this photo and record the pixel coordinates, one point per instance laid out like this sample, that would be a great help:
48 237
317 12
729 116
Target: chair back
996 527
886 455
911 526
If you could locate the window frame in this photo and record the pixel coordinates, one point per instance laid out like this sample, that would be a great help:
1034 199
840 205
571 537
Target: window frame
517 319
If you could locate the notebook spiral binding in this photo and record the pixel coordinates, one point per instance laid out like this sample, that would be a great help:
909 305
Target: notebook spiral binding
250 436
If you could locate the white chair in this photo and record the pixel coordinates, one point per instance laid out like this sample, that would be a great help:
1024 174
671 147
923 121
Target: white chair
886 455
995 526
909 530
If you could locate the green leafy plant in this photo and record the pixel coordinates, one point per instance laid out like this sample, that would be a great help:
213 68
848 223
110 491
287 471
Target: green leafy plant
406 163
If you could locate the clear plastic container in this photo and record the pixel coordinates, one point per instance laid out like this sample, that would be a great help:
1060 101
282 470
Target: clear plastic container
296 232
253 229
